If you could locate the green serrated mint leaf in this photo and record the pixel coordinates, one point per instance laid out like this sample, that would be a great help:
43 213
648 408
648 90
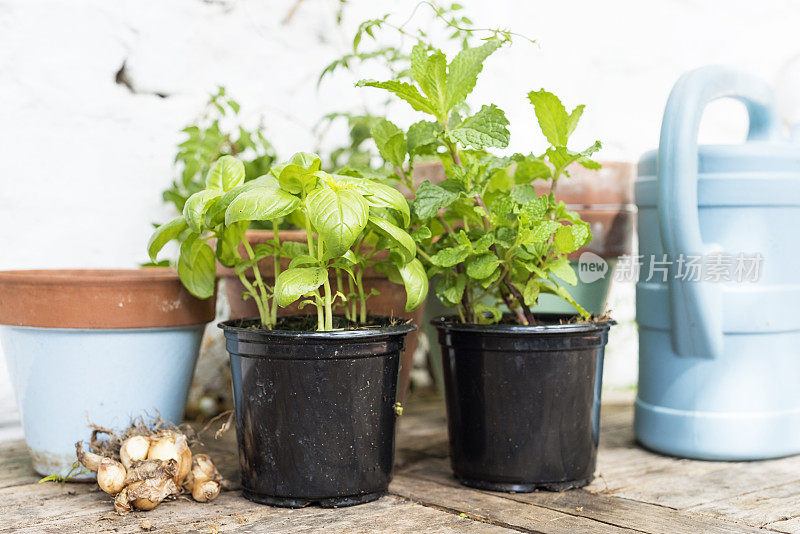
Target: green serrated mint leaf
405 91
480 267
422 134
463 72
430 73
448 257
390 141
431 198
563 269
487 128
553 118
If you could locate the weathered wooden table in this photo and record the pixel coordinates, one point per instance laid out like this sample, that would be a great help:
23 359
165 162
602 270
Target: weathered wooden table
634 491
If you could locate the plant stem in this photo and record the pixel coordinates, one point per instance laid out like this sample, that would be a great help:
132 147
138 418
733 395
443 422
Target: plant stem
327 286
276 258
529 319
259 284
511 308
361 297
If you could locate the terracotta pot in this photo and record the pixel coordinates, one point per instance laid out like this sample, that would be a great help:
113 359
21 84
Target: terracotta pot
97 345
86 298
391 301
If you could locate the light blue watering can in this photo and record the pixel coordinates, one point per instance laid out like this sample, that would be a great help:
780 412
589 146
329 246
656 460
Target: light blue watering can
719 354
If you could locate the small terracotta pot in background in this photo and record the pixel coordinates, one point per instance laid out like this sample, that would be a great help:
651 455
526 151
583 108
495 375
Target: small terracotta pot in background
390 302
96 345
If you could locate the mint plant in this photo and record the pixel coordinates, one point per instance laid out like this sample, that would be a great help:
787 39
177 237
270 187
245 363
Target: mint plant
216 133
484 232
349 220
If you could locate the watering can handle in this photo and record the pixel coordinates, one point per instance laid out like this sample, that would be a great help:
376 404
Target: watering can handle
696 307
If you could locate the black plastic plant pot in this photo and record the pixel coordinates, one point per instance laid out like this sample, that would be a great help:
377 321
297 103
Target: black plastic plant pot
315 418
523 402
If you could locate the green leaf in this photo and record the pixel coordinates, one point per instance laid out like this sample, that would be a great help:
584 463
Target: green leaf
463 72
298 175
560 291
164 234
494 313
589 163
216 213
294 283
261 204
226 173
304 260
531 292
403 90
483 266
228 244
564 241
339 216
487 128
390 141
531 168
416 283
195 208
430 73
421 234
523 194
407 248
451 289
431 198
422 134
562 268
561 157
539 233
380 195
553 118
197 268
448 257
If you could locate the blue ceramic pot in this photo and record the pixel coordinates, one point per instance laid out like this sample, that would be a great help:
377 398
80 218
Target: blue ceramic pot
94 368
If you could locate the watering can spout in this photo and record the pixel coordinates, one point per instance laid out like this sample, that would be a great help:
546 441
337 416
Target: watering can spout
696 306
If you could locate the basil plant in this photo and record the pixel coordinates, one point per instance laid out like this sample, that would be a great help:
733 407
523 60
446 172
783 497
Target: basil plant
484 232
352 223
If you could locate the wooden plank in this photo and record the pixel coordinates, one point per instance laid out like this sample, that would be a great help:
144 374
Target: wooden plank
494 508
232 513
773 507
604 509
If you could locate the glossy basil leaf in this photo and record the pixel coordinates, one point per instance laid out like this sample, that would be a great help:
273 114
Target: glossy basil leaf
261 204
195 208
197 267
339 216
405 243
228 243
294 283
164 234
416 283
298 176
380 195
226 173
304 260
216 213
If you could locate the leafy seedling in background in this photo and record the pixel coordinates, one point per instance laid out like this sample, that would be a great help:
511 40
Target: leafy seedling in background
218 132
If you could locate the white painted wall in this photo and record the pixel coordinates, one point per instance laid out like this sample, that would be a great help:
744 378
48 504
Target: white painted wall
84 159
